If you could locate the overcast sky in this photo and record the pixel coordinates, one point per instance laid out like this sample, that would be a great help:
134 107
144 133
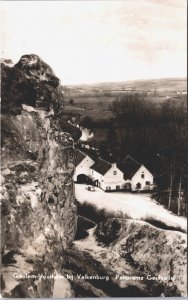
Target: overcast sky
97 41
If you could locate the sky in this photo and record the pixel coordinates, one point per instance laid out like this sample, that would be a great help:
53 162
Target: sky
99 41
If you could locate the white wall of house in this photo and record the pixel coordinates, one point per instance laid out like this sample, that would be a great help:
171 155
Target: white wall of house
114 174
112 180
83 167
112 185
144 177
95 175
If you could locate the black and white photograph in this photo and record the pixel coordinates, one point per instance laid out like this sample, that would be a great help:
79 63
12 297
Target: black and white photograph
93 148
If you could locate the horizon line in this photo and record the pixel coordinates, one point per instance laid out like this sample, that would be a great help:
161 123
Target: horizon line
123 81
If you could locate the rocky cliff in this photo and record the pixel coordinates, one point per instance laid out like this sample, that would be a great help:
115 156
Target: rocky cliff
153 252
38 203
131 258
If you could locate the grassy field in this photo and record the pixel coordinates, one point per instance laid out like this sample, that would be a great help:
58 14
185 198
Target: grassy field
95 100
161 85
96 115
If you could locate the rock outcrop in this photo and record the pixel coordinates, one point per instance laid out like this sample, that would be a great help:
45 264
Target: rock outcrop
161 254
31 82
38 202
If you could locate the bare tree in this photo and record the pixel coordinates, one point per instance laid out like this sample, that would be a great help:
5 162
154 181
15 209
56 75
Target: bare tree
172 175
179 198
170 192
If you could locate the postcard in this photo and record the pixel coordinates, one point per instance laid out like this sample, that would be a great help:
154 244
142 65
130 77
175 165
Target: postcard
93 149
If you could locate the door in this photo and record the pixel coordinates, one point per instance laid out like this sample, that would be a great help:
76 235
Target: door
138 186
82 178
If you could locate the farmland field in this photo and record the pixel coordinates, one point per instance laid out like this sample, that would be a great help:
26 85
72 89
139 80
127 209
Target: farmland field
95 100
166 85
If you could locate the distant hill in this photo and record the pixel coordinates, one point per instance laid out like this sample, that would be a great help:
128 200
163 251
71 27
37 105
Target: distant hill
161 85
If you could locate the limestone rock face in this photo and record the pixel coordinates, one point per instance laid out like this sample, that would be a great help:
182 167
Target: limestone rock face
13 146
31 81
39 217
150 251
56 167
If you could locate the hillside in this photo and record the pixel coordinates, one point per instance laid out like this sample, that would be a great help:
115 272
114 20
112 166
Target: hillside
162 85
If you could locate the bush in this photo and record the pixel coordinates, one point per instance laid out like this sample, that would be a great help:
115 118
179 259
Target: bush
108 232
91 212
82 226
162 225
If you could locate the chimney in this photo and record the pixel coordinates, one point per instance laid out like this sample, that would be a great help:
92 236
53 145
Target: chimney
113 165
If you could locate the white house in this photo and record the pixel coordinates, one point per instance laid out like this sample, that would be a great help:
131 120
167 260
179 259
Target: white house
83 164
137 177
182 92
106 175
129 175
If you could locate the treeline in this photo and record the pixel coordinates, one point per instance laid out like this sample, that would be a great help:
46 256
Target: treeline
150 130
154 134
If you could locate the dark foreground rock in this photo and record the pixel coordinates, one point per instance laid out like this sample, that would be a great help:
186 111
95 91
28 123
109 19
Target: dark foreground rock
38 203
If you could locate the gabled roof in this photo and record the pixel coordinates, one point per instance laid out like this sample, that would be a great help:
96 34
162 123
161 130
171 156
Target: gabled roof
101 166
79 157
129 167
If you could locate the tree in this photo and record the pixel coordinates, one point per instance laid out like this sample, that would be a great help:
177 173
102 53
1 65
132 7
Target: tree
71 101
87 122
172 175
170 192
179 197
131 110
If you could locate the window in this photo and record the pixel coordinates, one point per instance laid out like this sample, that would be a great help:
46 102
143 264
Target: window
108 188
147 182
115 172
142 175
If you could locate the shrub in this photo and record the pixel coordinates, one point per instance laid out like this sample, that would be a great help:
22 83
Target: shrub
162 225
91 212
108 231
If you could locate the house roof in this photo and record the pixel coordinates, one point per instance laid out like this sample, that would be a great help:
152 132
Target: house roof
129 167
101 166
79 157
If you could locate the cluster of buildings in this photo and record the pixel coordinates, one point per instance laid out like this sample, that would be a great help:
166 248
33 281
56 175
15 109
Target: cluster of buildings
181 92
127 175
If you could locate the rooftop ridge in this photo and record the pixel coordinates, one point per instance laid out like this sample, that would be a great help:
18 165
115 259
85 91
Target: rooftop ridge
128 156
82 152
104 160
